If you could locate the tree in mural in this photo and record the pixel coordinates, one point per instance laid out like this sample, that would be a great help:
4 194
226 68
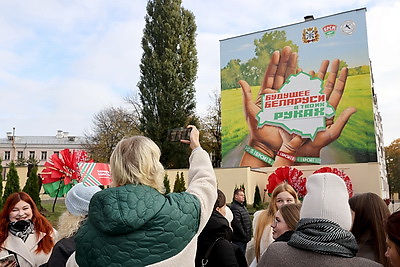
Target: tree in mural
253 70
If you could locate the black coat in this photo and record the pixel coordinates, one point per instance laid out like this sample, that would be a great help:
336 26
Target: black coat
62 250
223 253
241 223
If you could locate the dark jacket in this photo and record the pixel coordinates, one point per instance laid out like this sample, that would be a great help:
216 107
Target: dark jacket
241 223
62 250
285 237
223 252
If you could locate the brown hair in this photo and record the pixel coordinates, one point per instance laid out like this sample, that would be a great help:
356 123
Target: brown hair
41 224
221 200
291 214
392 227
371 213
267 216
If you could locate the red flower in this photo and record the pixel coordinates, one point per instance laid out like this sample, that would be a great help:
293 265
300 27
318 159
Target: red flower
290 175
64 165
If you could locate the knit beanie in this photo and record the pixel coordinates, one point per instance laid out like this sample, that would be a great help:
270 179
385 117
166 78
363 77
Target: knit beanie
78 198
327 198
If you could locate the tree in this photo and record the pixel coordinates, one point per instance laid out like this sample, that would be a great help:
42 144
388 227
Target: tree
12 184
166 184
211 130
20 162
1 185
182 183
32 186
179 185
257 203
168 71
392 153
110 126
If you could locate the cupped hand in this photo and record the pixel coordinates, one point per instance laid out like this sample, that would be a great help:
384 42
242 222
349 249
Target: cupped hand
333 88
267 138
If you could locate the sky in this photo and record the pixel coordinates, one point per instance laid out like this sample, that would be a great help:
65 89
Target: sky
62 62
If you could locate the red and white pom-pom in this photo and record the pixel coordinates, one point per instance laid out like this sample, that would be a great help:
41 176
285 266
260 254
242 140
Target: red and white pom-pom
290 175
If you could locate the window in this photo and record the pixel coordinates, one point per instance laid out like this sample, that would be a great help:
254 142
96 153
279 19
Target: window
7 155
44 155
57 152
31 154
20 154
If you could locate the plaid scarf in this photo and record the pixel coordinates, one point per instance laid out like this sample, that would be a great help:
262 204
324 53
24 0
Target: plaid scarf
324 237
21 229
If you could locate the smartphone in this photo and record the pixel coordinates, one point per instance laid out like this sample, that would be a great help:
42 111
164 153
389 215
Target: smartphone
8 261
177 134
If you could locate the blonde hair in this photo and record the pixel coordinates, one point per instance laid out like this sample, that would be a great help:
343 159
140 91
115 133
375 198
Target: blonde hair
68 224
136 160
267 216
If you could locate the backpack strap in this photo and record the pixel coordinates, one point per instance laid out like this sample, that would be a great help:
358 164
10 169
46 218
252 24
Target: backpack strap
204 260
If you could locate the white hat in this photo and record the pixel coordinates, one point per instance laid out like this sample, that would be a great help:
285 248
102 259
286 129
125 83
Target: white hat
327 198
78 198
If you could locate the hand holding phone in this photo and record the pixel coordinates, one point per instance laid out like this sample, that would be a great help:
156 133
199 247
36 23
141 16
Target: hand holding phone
178 134
8 261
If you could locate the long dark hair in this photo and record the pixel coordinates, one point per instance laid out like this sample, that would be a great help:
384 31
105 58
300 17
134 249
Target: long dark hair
40 223
393 229
371 213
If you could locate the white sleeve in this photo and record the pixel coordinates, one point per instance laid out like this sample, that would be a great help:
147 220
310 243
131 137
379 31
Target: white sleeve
202 183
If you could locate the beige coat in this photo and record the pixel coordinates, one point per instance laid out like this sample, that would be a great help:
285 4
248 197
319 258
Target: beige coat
25 250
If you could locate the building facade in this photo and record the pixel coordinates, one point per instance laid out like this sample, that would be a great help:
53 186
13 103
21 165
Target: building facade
40 148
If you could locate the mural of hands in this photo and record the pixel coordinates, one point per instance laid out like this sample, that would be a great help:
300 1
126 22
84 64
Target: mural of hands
269 141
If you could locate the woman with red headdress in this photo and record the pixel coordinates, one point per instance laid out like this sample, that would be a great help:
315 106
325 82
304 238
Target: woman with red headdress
24 232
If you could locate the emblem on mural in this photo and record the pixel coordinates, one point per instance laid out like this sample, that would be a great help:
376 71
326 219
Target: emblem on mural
329 30
310 35
348 27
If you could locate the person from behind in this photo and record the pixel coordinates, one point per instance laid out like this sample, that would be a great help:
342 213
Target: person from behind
322 236
285 222
214 246
77 203
134 223
281 195
393 239
24 232
241 223
370 214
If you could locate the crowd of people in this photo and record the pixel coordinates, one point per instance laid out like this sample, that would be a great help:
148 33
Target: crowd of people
133 223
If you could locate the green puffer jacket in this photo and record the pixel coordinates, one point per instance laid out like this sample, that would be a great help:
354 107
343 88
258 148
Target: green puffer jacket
135 225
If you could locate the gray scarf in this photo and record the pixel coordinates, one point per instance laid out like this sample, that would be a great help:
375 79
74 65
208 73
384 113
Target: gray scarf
21 229
324 237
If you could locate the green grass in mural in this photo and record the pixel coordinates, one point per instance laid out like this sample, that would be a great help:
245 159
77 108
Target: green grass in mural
359 133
